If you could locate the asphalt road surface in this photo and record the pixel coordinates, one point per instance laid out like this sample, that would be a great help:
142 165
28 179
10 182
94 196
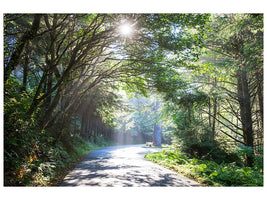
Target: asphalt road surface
123 166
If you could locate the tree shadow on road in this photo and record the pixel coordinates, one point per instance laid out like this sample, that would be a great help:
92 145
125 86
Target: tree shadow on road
103 173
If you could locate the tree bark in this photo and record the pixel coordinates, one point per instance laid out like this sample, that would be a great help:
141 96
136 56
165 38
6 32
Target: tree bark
260 96
245 112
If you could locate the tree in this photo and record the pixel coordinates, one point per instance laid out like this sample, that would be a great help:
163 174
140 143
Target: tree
157 133
240 40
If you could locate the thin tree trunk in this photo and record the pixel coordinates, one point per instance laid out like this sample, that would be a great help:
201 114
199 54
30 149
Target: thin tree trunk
214 112
25 70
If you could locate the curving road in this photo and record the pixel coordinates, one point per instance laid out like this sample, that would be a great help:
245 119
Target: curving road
123 166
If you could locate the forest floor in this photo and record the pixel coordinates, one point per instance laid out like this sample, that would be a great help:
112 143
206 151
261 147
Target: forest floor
123 166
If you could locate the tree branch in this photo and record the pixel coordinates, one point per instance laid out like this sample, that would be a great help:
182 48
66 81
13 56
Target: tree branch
16 55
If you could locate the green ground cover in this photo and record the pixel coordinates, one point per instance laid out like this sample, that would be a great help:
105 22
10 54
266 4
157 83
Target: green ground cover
207 172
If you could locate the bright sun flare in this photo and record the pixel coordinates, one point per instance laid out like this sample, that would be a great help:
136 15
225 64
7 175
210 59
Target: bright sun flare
126 29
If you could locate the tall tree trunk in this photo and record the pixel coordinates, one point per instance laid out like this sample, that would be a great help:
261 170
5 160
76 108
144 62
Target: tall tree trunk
260 96
157 134
245 112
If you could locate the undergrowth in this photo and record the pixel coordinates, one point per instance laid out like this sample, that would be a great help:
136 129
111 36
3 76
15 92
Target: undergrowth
207 172
47 162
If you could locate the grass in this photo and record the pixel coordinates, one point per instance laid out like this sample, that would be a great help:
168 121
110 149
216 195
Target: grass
207 172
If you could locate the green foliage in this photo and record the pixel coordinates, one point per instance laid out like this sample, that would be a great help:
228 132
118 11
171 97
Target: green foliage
100 141
208 172
16 103
35 158
244 151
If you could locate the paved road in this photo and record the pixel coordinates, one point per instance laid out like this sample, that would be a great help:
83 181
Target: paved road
123 166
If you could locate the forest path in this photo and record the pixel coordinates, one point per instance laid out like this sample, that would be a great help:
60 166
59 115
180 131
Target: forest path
123 166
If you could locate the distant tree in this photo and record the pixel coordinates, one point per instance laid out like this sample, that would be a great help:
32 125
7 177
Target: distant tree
157 132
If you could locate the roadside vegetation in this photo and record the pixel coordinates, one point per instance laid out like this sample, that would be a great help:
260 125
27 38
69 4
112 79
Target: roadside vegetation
49 161
208 172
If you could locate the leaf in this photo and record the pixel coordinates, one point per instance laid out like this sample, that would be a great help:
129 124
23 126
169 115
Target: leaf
13 100
214 174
